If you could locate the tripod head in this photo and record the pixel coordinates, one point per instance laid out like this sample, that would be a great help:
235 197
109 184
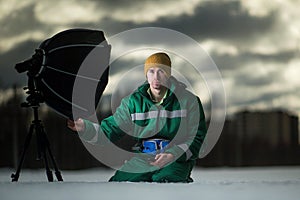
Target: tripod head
32 66
34 99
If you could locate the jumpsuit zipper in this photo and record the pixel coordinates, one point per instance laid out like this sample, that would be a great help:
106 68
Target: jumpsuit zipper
157 119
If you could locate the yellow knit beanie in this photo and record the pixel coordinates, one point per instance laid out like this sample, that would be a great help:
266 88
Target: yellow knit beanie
161 60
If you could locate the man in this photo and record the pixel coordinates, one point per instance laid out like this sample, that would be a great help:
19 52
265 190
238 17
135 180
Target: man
166 119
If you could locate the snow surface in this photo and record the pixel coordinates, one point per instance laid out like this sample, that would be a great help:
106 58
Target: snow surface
209 183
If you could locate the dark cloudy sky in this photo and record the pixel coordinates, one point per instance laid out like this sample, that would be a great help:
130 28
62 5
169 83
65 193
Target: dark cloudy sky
254 43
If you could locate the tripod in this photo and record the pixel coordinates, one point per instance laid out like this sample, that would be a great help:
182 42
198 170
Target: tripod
43 145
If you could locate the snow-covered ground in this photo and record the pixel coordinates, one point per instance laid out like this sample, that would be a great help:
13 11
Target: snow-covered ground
218 183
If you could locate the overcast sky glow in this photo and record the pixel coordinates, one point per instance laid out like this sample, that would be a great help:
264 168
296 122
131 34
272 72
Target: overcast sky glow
255 44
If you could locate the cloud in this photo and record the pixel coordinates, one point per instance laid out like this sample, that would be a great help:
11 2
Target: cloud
259 8
19 26
291 73
36 20
69 12
262 85
255 44
224 20
227 61
146 11
198 19
8 75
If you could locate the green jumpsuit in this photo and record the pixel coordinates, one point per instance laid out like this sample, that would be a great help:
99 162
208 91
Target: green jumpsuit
179 118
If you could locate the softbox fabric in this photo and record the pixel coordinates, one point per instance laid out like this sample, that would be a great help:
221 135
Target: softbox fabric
64 54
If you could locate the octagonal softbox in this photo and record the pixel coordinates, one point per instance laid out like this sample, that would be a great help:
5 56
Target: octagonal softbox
64 54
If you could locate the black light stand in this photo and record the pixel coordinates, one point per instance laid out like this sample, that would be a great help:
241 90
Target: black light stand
43 146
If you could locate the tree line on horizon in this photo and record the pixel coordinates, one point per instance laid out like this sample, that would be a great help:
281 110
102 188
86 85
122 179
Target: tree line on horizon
70 153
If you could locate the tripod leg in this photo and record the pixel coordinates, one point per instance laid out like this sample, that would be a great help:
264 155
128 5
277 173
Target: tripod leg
15 177
47 148
48 171
57 172
42 151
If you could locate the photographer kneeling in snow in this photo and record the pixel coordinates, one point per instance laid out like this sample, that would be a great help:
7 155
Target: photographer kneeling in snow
166 119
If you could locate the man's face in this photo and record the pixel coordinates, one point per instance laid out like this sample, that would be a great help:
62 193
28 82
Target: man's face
157 78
